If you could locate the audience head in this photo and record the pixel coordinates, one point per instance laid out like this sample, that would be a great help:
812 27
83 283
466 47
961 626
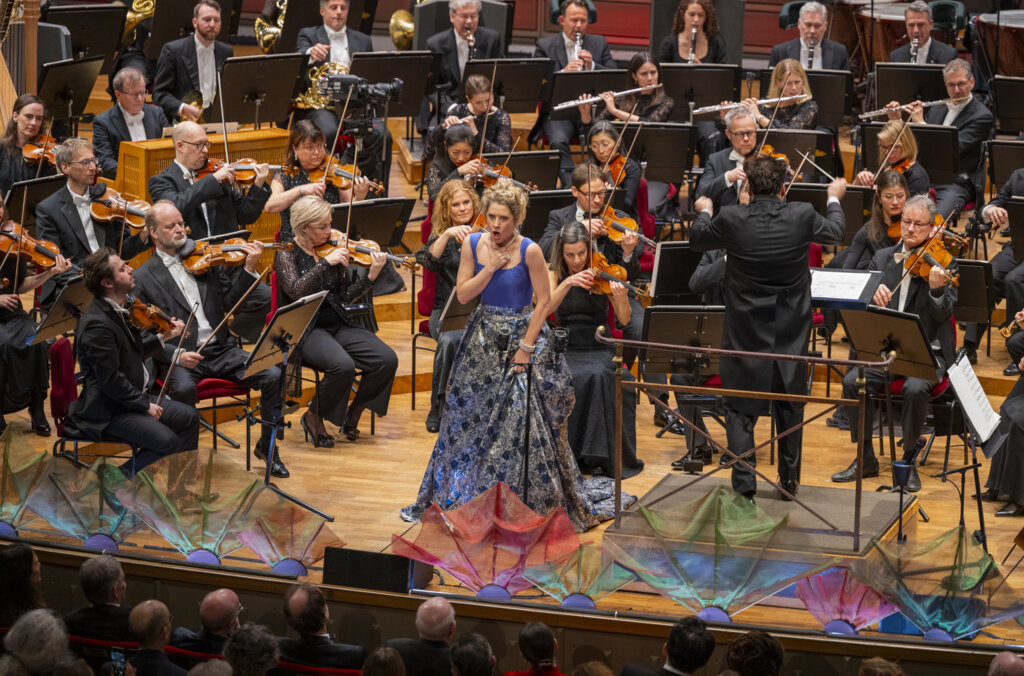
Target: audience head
741 130
689 645
959 79
538 645
877 666
334 13
20 572
471 656
25 124
150 622
219 612
918 19
464 15
130 90
101 577
206 20
384 661
307 146
73 667
755 654
191 147
251 651
1006 663
305 609
501 196
699 13
211 668
813 23
593 668
457 203
35 644
765 175
573 17
435 620
789 79
458 144
310 217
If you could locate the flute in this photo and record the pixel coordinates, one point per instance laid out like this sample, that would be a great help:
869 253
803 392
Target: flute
592 99
761 102
924 104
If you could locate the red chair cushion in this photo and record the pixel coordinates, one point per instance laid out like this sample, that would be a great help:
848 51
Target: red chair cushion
647 225
817 318
424 326
814 257
426 295
897 387
713 381
63 386
215 388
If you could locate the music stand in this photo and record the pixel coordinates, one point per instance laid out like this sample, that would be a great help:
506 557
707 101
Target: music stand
541 204
256 87
905 82
976 298
95 29
833 91
456 313
38 190
837 289
272 348
381 220
856 204
1004 157
172 19
71 302
1015 215
539 167
571 86
700 84
674 264
65 86
666 147
877 330
938 149
418 70
1008 92
817 145
518 83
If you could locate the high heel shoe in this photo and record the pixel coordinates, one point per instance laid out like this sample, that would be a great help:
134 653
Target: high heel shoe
319 440
351 432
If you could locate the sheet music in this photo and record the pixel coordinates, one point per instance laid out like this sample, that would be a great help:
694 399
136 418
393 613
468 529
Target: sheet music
982 417
838 284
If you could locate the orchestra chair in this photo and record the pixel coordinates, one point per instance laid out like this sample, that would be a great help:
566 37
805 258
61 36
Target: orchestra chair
64 391
187 659
96 653
647 227
789 14
423 303
949 16
556 6
819 331
296 668
212 389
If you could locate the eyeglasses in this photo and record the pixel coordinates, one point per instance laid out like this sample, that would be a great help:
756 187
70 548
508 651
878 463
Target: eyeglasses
134 95
200 145
86 163
601 145
913 224
596 194
744 134
313 149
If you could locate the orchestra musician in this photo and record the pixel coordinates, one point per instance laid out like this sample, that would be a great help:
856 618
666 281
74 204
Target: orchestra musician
723 176
767 306
452 220
918 18
130 119
975 124
710 47
602 148
788 79
891 194
1006 475
930 299
813 27
896 141
452 159
335 343
591 426
113 357
478 109
191 64
65 217
593 54
653 106
164 281
26 123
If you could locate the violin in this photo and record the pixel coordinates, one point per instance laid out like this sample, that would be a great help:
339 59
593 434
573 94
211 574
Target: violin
920 263
341 177
245 169
618 225
111 205
41 147
361 251
43 254
145 316
617 168
205 255
1015 325
605 273
491 175
478 223
767 149
901 166
955 243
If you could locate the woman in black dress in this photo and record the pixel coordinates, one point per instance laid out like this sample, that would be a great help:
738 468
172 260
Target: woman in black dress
901 151
479 106
788 79
26 123
891 193
710 47
602 145
652 106
452 159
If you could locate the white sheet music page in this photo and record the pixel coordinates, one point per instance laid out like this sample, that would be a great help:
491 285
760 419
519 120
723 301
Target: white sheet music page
983 418
838 284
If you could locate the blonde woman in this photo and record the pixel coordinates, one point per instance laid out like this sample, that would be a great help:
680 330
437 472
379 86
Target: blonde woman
788 79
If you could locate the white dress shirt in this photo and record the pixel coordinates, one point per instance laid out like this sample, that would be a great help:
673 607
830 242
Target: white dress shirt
584 217
190 289
190 176
954 109
462 50
922 52
207 72
904 288
83 204
136 129
339 45
804 52
738 159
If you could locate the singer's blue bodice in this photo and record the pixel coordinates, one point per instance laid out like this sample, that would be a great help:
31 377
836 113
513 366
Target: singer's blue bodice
509 288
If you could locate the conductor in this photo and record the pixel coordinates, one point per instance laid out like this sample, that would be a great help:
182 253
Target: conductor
767 291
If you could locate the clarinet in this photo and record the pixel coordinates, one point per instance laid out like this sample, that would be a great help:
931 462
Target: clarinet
579 46
693 45
913 51
810 55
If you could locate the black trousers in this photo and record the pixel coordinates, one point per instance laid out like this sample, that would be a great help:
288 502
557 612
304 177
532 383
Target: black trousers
444 357
915 408
561 134
375 154
950 197
177 430
1008 283
739 431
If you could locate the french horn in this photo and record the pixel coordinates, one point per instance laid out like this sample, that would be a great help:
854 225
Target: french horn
268 34
401 29
139 12
312 99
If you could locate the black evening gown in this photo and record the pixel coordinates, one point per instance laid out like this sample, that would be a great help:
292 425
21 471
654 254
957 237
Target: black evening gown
24 369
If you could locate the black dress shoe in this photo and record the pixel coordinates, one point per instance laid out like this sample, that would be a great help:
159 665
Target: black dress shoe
990 495
850 473
701 455
277 468
749 495
972 355
433 426
42 428
1010 509
1011 370
319 440
839 421
791 486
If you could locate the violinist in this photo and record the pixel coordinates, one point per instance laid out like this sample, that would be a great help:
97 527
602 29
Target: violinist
65 217
901 151
164 281
24 372
651 106
479 111
336 344
788 79
453 219
710 45
452 159
931 299
130 119
604 150
26 123
723 179
578 310
882 229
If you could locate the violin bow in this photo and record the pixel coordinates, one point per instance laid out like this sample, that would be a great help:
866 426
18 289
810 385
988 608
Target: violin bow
813 164
772 119
618 141
177 352
352 197
337 135
230 314
922 249
504 165
885 160
796 173
223 121
487 115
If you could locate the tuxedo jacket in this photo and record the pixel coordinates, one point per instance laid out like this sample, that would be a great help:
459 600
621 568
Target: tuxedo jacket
320 651
317 35
488 46
422 657
177 71
975 125
553 47
611 250
111 353
1014 187
109 129
104 623
57 221
200 641
227 207
712 181
938 52
833 54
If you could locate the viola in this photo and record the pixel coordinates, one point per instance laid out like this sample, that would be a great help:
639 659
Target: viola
491 175
920 263
341 177
41 147
605 273
111 205
43 254
245 169
205 255
145 316
617 226
360 251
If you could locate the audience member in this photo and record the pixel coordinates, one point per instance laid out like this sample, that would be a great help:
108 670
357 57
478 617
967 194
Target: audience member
251 651
103 584
688 648
305 611
879 666
19 569
472 656
593 668
538 645
1006 664
218 614
384 661
73 667
428 655
151 625
35 645
755 653
216 667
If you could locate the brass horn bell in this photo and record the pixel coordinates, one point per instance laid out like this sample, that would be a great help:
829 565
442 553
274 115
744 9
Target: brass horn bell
401 29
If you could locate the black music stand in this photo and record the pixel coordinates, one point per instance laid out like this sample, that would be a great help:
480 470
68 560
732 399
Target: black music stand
905 82
255 88
95 29
418 71
976 298
537 167
65 86
541 204
1004 157
1015 215
38 190
817 145
699 84
1008 92
172 19
666 147
272 348
518 83
571 86
71 302
938 149
381 220
856 204
674 264
301 15
833 91
456 313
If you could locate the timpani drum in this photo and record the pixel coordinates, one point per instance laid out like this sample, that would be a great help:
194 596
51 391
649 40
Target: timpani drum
842 26
1011 40
890 31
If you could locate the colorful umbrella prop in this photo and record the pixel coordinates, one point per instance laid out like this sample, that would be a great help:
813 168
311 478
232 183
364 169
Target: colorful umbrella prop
488 542
582 580
288 538
842 603
23 469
